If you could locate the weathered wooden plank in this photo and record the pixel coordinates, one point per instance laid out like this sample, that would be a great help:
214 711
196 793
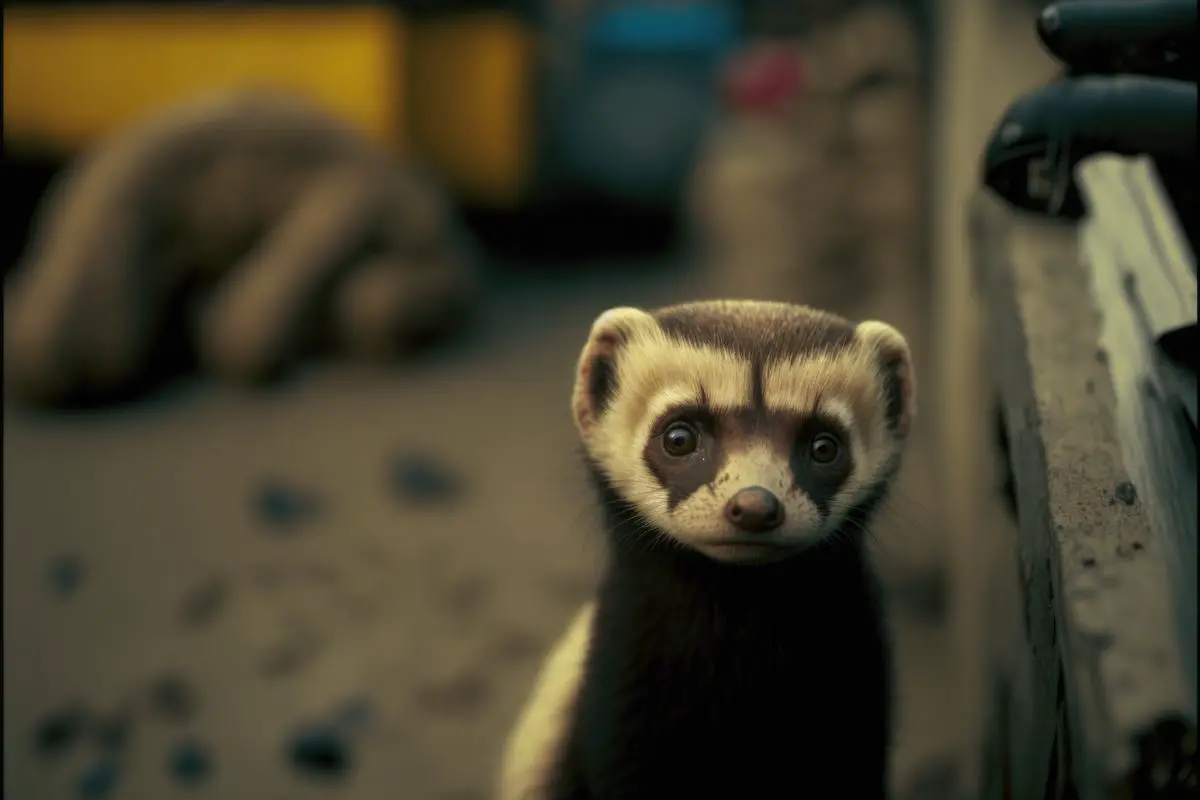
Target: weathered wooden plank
1099 614
1142 275
1034 732
1133 217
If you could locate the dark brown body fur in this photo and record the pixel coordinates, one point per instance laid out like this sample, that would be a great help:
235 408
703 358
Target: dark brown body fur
711 680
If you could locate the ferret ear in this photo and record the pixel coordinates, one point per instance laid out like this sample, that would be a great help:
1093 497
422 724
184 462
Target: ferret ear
894 362
596 375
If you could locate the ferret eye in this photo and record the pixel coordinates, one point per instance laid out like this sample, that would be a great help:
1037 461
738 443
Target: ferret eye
680 439
824 449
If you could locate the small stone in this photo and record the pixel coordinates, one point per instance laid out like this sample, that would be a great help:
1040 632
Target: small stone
319 750
100 779
59 730
66 575
173 699
1125 493
190 762
203 602
419 479
293 652
282 505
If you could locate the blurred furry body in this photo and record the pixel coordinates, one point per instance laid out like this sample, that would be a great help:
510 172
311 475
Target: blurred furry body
249 223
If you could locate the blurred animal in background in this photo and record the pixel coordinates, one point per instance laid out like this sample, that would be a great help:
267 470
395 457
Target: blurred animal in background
816 168
242 230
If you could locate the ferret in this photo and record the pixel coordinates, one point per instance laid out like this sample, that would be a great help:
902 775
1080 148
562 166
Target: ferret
736 646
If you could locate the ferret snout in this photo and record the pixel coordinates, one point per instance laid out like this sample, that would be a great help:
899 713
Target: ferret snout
754 510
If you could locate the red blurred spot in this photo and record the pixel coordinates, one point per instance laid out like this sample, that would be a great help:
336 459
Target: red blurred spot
764 78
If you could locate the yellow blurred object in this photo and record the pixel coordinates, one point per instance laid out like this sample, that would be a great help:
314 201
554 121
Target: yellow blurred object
470 101
458 87
75 74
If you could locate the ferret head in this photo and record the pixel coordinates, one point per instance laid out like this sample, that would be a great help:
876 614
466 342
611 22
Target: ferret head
744 430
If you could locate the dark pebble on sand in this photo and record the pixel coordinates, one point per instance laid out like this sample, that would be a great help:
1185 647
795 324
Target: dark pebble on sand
190 762
59 731
172 698
204 602
66 575
282 505
320 750
1125 493
419 479
100 779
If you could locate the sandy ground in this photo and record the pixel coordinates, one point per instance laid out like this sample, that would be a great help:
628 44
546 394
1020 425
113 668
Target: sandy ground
437 615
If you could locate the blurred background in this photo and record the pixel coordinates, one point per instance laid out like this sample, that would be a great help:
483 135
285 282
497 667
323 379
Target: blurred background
293 298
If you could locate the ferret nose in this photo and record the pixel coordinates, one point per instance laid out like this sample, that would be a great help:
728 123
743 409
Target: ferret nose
754 510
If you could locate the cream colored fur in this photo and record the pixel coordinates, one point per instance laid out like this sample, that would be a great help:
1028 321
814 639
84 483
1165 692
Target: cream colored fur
533 744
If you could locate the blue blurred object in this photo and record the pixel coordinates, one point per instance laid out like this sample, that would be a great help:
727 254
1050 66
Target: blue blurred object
643 92
66 574
702 28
